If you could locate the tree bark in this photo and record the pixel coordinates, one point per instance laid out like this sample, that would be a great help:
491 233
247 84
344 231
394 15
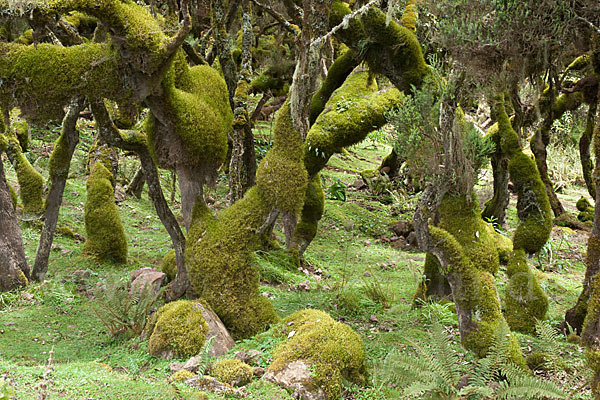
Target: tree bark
587 165
60 162
136 185
495 208
14 270
539 144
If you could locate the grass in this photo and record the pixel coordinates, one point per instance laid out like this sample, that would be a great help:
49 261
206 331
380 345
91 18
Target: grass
348 266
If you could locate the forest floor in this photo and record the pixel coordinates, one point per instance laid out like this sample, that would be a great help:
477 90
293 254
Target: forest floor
52 343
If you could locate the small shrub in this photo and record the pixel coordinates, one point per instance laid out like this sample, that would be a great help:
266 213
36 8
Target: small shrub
337 191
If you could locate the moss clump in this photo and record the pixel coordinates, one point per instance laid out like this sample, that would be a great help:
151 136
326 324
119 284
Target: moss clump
36 82
312 211
232 372
586 211
169 265
181 376
105 234
525 300
65 231
332 349
178 327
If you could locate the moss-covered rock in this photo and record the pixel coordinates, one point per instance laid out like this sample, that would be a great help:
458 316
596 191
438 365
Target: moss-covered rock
332 349
105 234
583 204
181 375
178 328
233 372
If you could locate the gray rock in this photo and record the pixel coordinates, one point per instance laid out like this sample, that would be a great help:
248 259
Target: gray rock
212 385
222 341
249 357
296 376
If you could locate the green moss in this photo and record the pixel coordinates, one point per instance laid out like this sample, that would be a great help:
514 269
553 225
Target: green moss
26 38
13 196
475 298
233 372
197 99
525 301
336 75
21 129
36 80
460 217
181 376
179 327
583 204
537 361
332 349
586 216
312 211
104 230
169 265
281 176
219 256
65 231
354 110
31 182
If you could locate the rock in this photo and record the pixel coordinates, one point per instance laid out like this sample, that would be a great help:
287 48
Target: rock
359 184
183 327
297 377
367 274
250 357
373 319
303 286
259 371
412 239
222 341
193 364
212 385
134 274
400 244
81 274
176 366
403 228
150 277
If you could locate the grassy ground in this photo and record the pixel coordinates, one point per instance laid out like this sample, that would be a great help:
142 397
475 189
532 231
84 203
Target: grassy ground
52 342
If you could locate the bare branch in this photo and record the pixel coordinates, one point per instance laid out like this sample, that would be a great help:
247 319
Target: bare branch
344 24
280 18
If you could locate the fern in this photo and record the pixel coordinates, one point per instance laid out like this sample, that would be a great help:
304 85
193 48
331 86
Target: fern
436 371
122 310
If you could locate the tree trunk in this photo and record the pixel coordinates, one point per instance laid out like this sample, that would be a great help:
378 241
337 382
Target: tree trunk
587 165
60 163
495 208
539 144
111 134
14 270
191 189
136 185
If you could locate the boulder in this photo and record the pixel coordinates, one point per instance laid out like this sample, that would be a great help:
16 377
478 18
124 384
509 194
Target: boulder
148 277
297 377
182 328
212 385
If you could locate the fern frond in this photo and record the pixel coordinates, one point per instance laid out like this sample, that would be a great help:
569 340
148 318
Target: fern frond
528 387
448 360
